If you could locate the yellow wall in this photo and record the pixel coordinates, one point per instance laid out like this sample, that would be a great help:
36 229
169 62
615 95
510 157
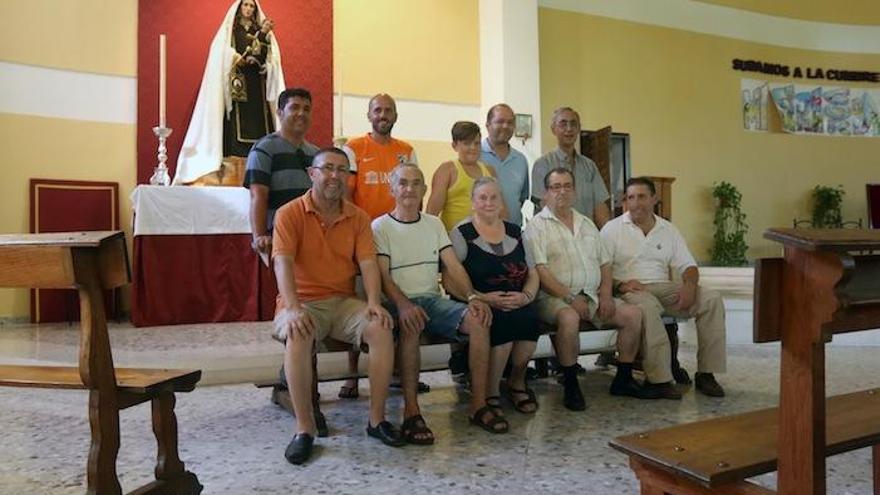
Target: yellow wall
95 36
421 50
415 49
677 96
59 149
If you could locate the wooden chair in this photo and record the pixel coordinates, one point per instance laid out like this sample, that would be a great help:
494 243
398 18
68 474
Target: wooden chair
827 283
92 262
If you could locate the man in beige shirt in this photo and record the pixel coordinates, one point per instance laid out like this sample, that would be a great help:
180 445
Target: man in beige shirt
576 282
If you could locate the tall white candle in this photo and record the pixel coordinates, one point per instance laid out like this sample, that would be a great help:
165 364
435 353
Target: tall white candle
162 78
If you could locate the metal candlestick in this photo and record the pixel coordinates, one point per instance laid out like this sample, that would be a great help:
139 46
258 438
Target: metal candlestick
160 173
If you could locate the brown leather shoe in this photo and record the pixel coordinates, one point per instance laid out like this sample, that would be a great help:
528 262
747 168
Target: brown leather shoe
705 383
664 390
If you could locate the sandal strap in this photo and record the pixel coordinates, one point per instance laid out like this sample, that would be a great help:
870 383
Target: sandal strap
519 404
496 419
414 423
480 414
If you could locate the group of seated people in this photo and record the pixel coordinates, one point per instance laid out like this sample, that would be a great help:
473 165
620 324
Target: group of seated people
500 282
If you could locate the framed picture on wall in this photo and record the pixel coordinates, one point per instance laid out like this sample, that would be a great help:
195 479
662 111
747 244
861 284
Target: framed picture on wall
523 126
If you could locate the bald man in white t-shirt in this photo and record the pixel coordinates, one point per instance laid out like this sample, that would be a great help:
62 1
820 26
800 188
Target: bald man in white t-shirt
644 247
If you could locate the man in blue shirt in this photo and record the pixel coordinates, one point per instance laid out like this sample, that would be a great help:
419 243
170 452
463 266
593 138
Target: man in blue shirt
510 165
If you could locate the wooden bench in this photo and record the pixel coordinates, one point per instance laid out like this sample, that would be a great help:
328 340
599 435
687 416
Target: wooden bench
280 394
717 455
92 262
828 282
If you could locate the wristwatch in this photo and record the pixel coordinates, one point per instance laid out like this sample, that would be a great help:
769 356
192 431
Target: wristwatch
471 296
569 298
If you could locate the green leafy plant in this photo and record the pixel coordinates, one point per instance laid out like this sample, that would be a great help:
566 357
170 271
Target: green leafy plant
826 207
729 248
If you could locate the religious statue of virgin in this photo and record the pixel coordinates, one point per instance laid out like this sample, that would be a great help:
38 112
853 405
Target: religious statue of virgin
237 99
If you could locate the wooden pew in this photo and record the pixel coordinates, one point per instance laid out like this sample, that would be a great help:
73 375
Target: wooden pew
828 282
716 455
92 262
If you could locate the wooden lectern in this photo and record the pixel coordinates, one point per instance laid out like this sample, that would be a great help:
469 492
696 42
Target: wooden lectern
92 262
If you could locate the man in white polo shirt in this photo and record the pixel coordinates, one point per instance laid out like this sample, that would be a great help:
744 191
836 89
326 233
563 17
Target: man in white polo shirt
644 247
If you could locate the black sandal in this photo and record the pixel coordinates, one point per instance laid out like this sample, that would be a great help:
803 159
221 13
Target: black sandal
479 419
520 405
414 430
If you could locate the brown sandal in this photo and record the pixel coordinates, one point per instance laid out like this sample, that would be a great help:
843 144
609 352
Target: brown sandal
416 431
520 405
494 402
479 419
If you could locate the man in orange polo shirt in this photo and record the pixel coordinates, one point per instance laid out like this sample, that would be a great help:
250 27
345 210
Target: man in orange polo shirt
319 243
373 156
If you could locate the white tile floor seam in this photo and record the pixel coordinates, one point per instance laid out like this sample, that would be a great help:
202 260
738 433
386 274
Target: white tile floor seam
233 438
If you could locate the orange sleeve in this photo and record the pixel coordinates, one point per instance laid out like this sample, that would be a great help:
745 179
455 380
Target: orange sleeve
285 235
364 247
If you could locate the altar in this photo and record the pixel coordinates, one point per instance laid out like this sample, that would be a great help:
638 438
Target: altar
193 261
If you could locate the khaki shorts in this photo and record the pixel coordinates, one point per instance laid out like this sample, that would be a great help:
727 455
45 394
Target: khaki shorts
340 318
549 307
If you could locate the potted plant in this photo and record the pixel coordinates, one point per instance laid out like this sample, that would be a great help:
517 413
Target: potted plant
826 207
729 247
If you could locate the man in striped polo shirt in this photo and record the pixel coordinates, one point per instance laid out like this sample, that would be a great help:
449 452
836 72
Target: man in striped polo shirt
277 166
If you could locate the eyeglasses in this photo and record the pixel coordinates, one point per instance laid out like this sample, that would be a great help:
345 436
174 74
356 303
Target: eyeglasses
329 169
568 186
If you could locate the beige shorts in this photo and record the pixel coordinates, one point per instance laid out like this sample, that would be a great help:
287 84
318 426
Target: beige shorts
340 318
549 307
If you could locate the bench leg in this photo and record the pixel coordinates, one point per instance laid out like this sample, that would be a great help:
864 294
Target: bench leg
169 467
876 461
104 424
679 373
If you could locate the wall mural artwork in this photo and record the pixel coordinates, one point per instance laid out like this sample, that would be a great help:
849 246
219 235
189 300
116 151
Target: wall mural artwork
754 104
811 109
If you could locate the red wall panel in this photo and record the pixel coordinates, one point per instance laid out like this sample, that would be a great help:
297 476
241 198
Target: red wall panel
70 206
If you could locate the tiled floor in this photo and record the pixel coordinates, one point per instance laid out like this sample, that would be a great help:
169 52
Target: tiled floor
233 438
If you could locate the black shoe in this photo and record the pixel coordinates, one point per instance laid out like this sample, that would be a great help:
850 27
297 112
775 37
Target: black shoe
580 370
705 383
681 376
630 388
573 399
299 449
665 390
605 359
321 424
458 361
532 374
387 433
